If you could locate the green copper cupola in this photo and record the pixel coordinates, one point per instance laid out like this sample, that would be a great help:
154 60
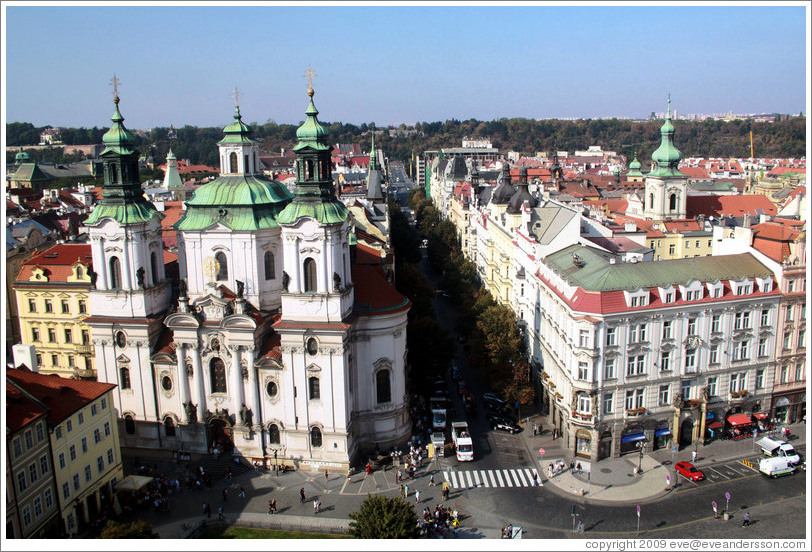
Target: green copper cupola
666 158
122 197
314 196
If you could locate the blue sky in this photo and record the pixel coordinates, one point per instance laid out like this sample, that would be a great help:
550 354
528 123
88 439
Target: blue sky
390 65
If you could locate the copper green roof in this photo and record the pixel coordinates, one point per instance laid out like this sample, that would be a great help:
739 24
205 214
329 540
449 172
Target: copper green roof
118 139
237 132
666 158
598 274
326 213
239 202
124 213
172 177
634 168
22 157
311 134
29 172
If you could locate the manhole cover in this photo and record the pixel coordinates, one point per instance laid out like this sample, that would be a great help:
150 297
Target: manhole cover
606 470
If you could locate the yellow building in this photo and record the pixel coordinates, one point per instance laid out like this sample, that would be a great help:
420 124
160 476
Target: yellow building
53 301
681 239
83 431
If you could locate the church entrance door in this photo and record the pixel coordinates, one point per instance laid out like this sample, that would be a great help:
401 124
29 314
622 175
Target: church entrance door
220 433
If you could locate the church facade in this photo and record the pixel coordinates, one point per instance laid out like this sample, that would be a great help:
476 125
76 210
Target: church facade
284 337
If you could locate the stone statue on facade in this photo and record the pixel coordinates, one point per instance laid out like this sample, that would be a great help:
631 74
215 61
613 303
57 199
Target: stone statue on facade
285 280
139 277
240 289
246 415
93 277
336 282
678 402
191 412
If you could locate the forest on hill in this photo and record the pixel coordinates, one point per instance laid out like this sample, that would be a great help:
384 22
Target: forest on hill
786 137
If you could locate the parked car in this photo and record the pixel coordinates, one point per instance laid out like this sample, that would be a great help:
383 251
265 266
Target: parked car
494 398
686 469
499 411
501 424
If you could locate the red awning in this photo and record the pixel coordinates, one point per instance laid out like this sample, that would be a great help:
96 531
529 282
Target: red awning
715 425
739 419
760 416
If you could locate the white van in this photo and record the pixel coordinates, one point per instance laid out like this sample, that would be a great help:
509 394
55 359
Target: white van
780 449
773 467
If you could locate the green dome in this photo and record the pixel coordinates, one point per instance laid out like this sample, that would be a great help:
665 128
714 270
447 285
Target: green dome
311 133
118 139
237 132
635 164
666 158
22 157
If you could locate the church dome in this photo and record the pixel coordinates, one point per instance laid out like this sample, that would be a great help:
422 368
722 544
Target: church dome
118 139
237 132
311 133
22 157
504 191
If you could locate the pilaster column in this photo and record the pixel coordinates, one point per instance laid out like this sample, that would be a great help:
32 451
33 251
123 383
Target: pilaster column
200 383
182 380
238 392
253 388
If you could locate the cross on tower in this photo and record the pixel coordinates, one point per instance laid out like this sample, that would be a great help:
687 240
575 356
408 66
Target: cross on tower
115 82
309 74
236 95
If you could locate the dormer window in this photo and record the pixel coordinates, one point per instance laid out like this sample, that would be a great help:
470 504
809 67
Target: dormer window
637 298
715 290
692 292
745 287
765 285
668 295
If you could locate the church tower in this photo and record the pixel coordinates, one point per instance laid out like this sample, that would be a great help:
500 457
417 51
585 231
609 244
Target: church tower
666 187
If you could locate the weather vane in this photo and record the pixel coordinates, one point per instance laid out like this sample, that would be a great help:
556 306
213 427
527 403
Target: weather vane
115 82
309 74
236 96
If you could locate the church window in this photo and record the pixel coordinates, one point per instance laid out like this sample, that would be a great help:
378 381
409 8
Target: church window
272 389
309 274
270 268
222 266
314 388
113 174
121 339
383 386
166 383
169 426
124 377
312 346
273 434
315 437
218 375
153 265
672 202
115 273
245 168
651 201
79 272
129 424
233 162
309 169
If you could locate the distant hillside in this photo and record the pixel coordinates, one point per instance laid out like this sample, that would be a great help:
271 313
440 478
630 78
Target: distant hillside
711 138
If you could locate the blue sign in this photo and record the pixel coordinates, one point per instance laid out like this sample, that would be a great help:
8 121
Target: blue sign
727 496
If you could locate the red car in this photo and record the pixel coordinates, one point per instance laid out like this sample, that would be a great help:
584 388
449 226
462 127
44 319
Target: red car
688 470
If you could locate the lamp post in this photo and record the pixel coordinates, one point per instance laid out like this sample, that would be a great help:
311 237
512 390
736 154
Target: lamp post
640 446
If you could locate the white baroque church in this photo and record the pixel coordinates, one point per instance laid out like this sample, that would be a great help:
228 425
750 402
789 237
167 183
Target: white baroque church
283 336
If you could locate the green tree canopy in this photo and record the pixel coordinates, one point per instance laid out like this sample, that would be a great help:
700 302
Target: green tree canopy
383 517
136 530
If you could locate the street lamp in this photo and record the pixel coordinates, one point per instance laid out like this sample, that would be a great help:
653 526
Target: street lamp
640 446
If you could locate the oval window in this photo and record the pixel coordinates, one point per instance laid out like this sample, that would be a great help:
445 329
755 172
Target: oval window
312 346
121 339
166 383
272 389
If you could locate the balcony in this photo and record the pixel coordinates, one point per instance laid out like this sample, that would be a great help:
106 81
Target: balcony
84 349
84 374
635 412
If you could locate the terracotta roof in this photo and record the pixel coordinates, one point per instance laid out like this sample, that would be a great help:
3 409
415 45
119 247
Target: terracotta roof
271 344
373 293
62 396
58 261
311 325
687 225
21 410
166 342
695 172
773 239
736 205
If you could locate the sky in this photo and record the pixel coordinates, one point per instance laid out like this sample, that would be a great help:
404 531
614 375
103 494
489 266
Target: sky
390 64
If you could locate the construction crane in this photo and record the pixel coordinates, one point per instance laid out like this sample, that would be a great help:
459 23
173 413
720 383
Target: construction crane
751 144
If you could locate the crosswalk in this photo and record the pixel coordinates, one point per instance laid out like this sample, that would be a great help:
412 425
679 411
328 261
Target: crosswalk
520 477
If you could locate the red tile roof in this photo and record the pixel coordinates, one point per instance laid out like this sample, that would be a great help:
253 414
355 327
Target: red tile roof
21 410
695 172
686 225
58 261
736 205
62 396
373 293
773 239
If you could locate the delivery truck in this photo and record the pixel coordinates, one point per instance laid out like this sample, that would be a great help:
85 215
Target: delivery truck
463 445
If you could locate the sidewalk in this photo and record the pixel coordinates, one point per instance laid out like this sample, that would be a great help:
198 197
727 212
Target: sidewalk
614 480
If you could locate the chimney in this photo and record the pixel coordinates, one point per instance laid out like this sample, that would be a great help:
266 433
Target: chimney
25 354
746 220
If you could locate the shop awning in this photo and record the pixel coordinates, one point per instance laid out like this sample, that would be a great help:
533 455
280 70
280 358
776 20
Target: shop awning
739 419
760 416
633 437
133 483
716 425
665 432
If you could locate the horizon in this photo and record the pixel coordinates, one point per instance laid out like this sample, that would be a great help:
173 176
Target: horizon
392 65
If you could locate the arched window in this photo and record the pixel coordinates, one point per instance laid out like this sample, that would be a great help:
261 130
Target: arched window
115 273
129 424
245 168
273 434
383 386
309 274
79 272
309 169
218 375
153 265
232 159
672 202
315 437
113 174
270 266
169 426
124 377
222 266
313 387
651 201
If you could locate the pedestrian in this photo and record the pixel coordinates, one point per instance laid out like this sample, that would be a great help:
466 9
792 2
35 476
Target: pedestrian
535 429
417 497
270 507
349 476
693 456
504 532
301 495
746 521
431 480
578 467
316 506
242 492
405 491
510 531
580 526
225 495
535 478
715 511
402 494
572 466
398 476
220 513
369 468
326 476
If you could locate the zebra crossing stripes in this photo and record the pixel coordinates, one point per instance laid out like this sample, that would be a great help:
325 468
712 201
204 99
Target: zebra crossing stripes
467 479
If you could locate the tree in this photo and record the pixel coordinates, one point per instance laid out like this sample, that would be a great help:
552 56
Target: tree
136 530
383 517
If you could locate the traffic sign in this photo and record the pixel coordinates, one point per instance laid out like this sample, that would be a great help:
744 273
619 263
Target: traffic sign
638 511
673 448
541 451
668 479
713 504
727 496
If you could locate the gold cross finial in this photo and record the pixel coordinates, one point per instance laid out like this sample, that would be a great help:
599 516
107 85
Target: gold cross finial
309 74
115 82
236 96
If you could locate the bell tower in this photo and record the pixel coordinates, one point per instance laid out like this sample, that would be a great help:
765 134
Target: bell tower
666 187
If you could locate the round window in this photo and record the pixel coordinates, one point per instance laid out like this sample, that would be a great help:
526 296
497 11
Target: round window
272 389
166 383
312 346
121 339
